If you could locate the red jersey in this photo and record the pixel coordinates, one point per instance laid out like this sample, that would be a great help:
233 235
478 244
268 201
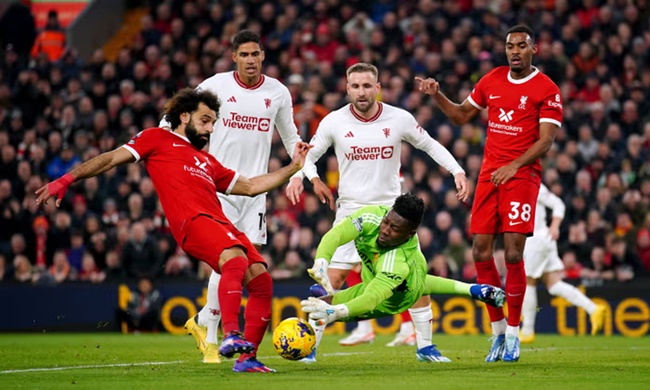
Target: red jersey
186 179
515 110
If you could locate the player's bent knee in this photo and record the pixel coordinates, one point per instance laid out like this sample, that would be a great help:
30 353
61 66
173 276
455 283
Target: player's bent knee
231 253
481 255
513 256
260 285
254 270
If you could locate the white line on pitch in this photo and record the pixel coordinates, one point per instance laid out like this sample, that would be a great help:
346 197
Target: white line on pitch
145 364
89 366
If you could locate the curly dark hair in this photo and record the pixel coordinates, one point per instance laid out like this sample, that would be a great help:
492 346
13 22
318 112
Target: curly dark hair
411 208
522 28
245 36
187 100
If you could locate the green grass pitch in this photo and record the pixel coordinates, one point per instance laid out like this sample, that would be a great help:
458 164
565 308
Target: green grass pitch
115 361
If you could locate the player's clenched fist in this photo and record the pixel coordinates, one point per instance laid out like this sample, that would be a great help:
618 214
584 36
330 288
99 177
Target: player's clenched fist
429 86
300 153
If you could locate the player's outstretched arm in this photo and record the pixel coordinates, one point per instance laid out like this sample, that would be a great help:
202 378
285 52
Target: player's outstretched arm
90 168
264 183
458 113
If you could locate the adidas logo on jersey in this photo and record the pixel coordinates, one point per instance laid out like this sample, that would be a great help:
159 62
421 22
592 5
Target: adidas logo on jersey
349 135
232 100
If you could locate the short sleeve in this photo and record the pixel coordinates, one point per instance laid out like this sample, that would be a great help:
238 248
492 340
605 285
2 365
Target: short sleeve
477 96
144 143
551 109
224 178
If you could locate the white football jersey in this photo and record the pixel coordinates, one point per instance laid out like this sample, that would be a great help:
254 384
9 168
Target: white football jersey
244 130
546 199
368 152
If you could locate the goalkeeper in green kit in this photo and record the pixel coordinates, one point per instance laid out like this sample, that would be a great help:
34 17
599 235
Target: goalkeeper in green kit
394 272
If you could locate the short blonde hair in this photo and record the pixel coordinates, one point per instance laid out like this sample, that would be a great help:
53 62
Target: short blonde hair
362 67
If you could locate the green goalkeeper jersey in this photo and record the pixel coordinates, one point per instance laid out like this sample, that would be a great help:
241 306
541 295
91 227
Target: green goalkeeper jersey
393 278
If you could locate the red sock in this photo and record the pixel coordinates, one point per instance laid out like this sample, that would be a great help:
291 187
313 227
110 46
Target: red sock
258 309
230 290
353 278
486 273
515 290
406 316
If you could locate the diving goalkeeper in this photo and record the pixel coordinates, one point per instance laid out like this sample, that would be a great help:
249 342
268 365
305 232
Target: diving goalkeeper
394 272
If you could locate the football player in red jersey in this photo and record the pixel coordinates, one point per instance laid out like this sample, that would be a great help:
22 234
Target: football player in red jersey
524 112
187 180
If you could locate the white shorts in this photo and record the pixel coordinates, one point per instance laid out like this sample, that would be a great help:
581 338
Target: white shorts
541 256
247 214
345 256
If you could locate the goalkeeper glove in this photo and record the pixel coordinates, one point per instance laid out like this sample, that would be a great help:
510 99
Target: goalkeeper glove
322 312
319 273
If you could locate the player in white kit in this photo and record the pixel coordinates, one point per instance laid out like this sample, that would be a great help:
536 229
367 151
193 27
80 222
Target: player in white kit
252 105
542 262
367 136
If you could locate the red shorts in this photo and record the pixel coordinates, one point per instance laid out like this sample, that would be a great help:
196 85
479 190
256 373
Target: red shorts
508 208
204 238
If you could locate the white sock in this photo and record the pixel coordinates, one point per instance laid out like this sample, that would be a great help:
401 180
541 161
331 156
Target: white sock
421 318
573 295
364 327
529 310
499 327
406 328
318 329
512 330
210 315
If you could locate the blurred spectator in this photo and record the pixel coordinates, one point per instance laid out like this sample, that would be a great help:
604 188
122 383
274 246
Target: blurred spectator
141 257
50 41
290 267
439 266
143 310
89 271
60 269
114 271
22 269
6 269
178 267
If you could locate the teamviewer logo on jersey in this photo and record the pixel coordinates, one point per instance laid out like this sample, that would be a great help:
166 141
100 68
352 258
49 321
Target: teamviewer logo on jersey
505 116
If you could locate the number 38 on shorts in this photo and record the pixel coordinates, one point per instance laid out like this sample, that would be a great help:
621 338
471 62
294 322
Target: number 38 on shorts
504 209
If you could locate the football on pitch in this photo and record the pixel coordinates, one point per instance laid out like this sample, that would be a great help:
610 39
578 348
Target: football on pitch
294 338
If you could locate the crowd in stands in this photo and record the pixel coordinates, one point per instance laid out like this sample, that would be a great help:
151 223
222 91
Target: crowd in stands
55 114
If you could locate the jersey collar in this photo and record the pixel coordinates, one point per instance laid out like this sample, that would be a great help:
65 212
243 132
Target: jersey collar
372 119
181 136
241 83
521 81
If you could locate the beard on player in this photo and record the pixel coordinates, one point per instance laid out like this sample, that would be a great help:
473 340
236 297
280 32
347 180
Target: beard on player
196 139
363 104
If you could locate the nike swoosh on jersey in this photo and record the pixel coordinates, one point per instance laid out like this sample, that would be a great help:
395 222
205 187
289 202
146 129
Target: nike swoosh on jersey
515 223
175 144
494 97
